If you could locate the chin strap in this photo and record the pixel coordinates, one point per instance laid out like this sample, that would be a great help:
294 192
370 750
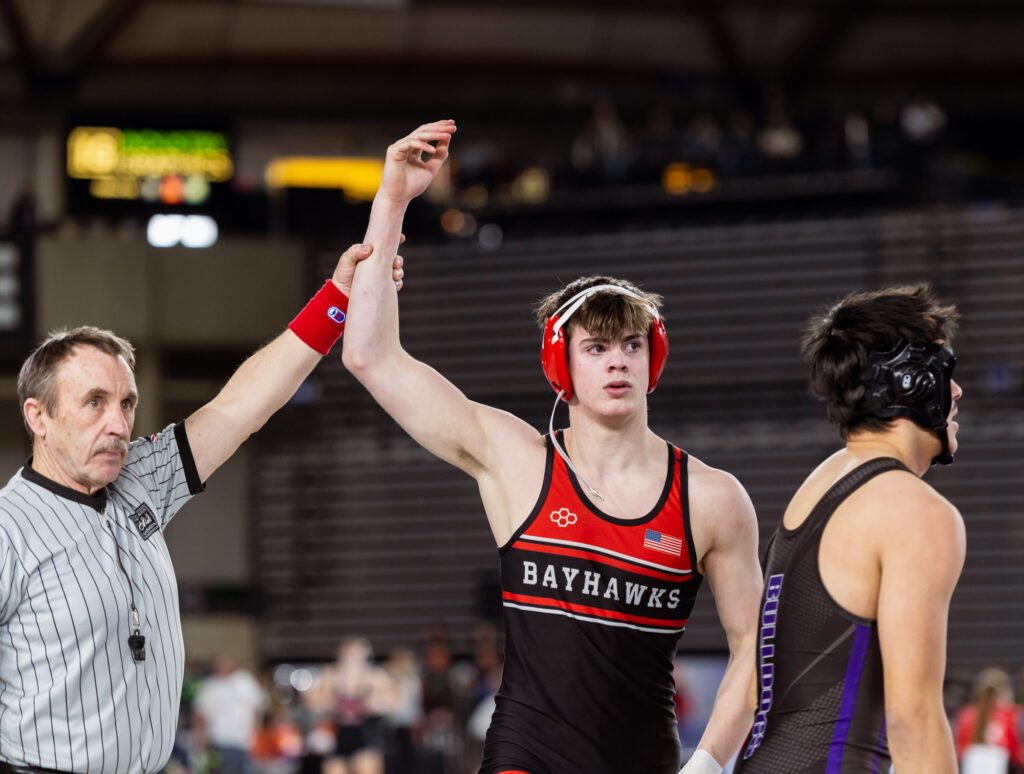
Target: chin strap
561 451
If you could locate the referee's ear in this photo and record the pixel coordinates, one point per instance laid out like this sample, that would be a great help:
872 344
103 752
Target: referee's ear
34 412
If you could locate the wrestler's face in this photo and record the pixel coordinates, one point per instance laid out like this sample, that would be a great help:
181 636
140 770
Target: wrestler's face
952 426
83 444
609 374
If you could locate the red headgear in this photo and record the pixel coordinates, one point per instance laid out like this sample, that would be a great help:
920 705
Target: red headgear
555 359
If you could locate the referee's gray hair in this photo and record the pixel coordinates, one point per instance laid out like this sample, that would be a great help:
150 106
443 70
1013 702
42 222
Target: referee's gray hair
38 376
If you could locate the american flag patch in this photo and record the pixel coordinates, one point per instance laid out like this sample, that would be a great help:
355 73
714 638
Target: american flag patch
664 543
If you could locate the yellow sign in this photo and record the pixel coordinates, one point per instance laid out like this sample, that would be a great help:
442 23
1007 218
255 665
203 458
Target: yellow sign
359 178
119 160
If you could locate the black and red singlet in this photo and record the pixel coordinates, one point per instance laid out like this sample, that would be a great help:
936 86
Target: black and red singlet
594 607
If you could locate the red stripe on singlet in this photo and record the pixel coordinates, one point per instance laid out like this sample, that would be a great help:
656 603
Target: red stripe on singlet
597 612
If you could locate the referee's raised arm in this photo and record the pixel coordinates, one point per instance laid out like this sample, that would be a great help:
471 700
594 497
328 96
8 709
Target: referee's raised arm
269 377
91 648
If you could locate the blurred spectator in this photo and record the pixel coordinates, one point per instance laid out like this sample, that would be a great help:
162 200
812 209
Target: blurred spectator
22 221
277 747
779 140
228 707
602 152
406 712
361 694
441 733
483 677
657 146
183 753
689 732
922 120
857 135
702 141
740 155
315 718
887 140
987 730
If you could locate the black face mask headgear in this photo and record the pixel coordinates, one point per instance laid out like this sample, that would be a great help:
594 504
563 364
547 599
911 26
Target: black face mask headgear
914 381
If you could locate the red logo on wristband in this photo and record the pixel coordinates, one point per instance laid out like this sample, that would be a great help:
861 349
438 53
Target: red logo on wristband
336 314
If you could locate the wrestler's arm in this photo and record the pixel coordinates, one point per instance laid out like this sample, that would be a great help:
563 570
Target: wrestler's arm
480 440
263 383
921 552
726 516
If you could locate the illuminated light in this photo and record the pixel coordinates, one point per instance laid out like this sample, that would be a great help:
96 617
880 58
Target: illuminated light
93 151
302 680
114 188
702 180
9 258
283 674
187 141
469 227
532 186
491 236
199 231
197 189
677 179
453 221
194 231
149 189
359 178
164 230
217 170
476 196
10 316
103 152
172 190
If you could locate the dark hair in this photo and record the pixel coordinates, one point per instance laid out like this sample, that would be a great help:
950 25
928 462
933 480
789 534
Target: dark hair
988 686
38 376
606 313
839 339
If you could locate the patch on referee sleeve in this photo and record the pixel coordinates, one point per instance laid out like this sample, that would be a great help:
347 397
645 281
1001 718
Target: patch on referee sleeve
144 520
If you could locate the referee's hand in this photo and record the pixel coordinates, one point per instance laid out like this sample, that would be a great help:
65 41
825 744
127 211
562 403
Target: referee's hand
346 267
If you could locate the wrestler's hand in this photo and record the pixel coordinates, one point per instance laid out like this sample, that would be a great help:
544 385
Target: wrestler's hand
346 267
406 173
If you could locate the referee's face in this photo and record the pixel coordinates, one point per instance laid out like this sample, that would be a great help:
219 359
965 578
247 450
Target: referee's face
86 439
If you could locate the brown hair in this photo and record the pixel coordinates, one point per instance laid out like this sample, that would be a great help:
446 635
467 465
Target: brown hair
839 340
38 376
606 313
989 686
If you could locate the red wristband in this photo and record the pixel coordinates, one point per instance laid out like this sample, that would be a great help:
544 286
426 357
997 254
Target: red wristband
322 320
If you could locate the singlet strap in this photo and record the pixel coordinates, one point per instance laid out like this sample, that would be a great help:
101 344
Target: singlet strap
842 489
853 481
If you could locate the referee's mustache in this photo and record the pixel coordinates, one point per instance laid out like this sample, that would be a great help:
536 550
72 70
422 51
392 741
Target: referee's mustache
118 445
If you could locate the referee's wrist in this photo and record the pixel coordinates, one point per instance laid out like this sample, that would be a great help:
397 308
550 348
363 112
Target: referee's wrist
322 321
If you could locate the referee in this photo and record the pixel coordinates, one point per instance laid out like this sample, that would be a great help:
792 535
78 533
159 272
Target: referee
91 653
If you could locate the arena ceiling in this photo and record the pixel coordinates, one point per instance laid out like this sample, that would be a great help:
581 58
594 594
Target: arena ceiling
299 55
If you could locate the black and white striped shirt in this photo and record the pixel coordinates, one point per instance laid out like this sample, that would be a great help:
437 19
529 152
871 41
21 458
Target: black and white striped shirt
71 696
